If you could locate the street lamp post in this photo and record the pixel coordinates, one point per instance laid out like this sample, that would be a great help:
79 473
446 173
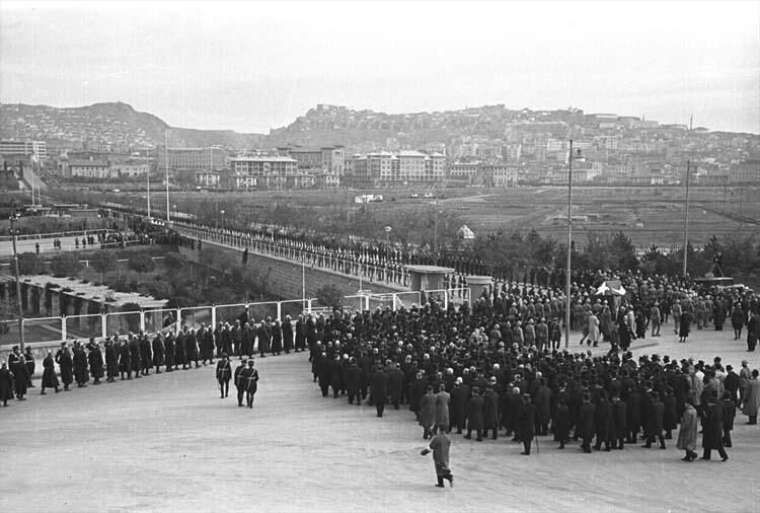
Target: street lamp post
14 231
569 243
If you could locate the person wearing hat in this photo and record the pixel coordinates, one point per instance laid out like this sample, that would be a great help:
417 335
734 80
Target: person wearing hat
49 379
6 384
223 375
526 423
250 379
655 319
65 366
460 394
440 446
442 400
491 409
687 432
239 383
475 415
17 367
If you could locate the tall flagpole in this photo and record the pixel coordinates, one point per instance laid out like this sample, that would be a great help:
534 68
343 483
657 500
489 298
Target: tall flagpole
166 169
148 173
686 218
568 304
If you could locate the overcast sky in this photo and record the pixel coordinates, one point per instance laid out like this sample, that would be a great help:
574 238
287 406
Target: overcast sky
256 66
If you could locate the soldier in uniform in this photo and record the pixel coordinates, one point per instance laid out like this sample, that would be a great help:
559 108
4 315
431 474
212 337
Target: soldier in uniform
250 378
239 383
223 375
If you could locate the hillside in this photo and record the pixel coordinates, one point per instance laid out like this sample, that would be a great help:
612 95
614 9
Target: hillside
328 124
106 126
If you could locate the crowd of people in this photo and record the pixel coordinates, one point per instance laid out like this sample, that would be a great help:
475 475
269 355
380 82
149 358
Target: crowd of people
497 367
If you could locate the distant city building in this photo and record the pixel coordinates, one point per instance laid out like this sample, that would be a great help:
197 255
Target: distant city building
185 163
267 172
36 148
383 168
90 169
130 169
746 172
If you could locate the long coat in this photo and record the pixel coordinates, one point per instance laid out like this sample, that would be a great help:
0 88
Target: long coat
442 399
6 384
80 366
96 361
427 410
490 409
459 396
751 397
49 379
63 358
687 434
712 429
475 412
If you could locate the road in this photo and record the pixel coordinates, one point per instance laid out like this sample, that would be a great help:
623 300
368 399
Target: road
169 443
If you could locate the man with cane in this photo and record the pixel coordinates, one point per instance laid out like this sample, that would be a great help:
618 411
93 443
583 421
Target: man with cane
223 375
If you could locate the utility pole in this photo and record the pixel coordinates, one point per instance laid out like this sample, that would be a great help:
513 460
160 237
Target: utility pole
148 174
13 220
686 219
569 244
166 169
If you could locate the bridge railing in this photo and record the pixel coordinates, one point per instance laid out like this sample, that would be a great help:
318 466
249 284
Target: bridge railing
325 260
49 330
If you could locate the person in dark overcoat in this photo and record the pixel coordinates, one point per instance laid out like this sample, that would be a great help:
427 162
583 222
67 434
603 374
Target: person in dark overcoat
300 334
620 423
6 384
542 398
324 373
95 359
81 372
491 411
475 415
191 348
134 355
125 360
49 379
17 367
633 412
460 394
526 423
276 329
180 344
395 385
729 414
336 375
427 412
264 335
670 414
206 345
602 422
654 421
146 356
712 427
586 423
287 335
159 350
561 423
111 360
65 366
379 389
353 378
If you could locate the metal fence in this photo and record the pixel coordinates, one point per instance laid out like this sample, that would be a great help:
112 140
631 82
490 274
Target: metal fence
48 330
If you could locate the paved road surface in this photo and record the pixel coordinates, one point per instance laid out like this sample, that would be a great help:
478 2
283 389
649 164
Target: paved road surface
168 443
